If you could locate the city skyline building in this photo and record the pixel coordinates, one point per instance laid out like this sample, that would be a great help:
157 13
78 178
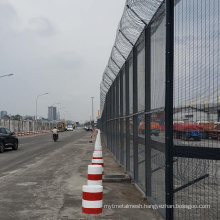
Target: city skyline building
52 113
3 113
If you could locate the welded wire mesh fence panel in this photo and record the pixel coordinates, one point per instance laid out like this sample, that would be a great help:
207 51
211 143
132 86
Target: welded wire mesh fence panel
196 108
114 121
157 99
133 104
122 123
131 147
141 151
132 101
124 154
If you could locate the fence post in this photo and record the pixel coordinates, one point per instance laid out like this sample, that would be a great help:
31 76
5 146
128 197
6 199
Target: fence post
111 113
121 120
169 106
135 117
127 113
107 118
117 121
113 121
147 110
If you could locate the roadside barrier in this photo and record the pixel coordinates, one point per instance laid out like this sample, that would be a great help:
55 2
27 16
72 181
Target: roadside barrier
94 175
98 162
98 148
98 143
97 155
31 132
91 137
92 193
98 140
92 199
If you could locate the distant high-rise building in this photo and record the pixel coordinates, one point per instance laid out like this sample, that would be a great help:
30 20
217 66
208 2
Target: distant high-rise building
28 117
3 113
52 113
58 116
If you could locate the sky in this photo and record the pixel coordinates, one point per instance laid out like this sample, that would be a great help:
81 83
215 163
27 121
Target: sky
56 47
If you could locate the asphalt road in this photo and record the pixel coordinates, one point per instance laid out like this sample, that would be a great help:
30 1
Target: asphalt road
32 178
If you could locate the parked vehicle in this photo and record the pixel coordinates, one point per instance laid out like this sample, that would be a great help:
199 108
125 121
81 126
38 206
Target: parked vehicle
210 130
69 128
207 127
215 133
55 137
88 128
155 128
187 131
8 139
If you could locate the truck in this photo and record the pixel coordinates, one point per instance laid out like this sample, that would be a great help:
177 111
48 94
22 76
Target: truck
187 131
215 133
210 130
207 128
61 126
155 128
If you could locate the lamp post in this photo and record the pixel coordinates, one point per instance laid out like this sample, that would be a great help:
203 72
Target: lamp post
65 115
6 75
36 103
92 108
59 112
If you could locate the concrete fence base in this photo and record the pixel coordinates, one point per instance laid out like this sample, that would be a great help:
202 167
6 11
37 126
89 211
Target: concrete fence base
27 127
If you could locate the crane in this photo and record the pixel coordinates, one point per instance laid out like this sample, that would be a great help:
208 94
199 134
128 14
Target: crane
211 98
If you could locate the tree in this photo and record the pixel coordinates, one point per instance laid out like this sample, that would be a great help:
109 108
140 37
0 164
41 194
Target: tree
17 117
6 116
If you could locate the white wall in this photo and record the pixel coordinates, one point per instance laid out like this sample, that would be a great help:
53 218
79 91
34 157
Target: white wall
25 126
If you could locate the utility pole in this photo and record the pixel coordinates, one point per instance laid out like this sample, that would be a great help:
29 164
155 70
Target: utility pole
92 108
36 103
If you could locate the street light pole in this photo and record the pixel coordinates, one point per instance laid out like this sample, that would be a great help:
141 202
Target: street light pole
65 116
92 108
59 112
6 75
36 103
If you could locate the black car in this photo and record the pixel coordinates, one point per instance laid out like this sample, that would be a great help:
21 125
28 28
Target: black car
8 139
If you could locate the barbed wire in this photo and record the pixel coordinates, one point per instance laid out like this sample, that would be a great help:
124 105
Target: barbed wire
136 16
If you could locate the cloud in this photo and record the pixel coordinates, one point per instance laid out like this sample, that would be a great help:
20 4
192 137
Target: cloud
8 17
64 55
42 27
68 60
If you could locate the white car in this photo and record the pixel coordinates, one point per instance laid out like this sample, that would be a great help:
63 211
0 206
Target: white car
69 128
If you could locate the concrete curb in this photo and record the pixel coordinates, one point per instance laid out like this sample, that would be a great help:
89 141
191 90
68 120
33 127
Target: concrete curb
116 178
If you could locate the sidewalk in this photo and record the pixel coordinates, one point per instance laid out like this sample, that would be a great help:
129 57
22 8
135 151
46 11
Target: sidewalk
115 192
